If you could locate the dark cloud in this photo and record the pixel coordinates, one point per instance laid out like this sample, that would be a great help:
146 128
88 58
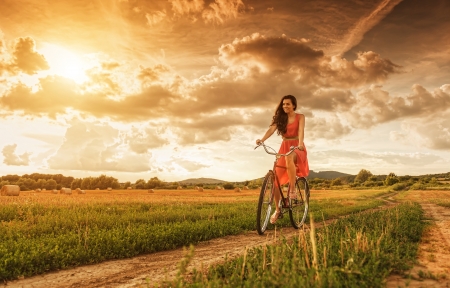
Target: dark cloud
12 159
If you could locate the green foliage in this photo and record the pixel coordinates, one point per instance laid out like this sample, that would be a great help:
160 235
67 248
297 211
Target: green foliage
228 186
363 176
399 186
336 182
418 186
391 179
358 251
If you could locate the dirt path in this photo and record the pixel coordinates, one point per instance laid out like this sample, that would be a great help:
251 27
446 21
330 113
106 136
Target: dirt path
154 268
433 269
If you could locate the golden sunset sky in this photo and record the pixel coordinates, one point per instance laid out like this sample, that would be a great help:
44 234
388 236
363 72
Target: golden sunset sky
180 89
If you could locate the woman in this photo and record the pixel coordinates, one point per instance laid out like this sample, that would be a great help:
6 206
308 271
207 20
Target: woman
291 126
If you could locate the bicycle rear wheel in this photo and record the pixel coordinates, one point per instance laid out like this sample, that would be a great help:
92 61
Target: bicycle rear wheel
265 203
299 206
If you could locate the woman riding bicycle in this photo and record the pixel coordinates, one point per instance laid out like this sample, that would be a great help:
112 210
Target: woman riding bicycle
291 126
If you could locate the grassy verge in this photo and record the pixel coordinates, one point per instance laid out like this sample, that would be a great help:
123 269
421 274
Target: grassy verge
358 251
36 238
443 203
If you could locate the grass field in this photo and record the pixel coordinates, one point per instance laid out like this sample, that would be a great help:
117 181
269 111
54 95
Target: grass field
41 231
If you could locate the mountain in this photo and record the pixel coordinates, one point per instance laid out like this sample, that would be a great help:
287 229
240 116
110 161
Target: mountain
327 174
201 181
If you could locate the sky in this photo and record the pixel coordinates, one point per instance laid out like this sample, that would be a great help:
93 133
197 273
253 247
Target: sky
179 89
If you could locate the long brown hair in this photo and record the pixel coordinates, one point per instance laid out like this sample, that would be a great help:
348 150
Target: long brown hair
281 118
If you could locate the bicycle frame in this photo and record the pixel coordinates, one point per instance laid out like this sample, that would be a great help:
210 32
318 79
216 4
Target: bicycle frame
284 200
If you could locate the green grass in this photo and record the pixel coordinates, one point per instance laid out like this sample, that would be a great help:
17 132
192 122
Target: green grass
37 238
358 251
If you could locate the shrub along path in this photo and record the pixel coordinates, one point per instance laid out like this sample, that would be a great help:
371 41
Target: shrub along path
156 267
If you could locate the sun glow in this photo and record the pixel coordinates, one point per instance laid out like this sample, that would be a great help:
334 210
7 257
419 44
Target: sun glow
64 63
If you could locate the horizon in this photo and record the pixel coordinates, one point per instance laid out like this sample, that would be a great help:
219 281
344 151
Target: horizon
180 89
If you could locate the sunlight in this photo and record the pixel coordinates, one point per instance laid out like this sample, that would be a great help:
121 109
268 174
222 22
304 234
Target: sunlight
64 63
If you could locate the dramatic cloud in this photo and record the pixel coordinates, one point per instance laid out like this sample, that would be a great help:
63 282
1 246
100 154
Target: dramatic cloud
24 58
427 132
97 147
374 105
11 158
182 7
221 10
141 140
356 33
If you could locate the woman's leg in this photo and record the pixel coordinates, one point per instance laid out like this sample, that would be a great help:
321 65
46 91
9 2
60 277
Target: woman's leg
277 196
291 169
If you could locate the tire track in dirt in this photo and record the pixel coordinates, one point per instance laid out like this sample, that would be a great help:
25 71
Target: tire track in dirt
434 253
154 268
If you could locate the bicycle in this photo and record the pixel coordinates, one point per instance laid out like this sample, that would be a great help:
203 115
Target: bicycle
297 208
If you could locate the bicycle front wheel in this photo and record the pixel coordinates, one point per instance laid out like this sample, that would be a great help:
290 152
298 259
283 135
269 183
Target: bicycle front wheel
300 206
265 203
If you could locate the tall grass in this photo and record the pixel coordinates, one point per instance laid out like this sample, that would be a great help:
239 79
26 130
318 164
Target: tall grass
38 237
358 251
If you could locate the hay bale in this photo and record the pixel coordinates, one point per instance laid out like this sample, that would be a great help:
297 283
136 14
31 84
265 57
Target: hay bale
150 191
54 191
245 187
109 189
237 189
78 190
82 192
129 188
43 189
179 188
10 190
218 188
200 189
38 190
196 187
66 191
97 188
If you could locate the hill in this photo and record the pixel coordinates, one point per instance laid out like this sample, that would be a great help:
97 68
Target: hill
201 181
327 174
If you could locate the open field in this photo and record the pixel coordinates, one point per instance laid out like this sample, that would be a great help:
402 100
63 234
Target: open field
102 225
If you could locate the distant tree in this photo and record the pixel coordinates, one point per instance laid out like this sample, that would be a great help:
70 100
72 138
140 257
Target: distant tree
50 184
363 176
86 183
336 182
373 178
140 184
154 182
391 179
40 183
228 186
76 183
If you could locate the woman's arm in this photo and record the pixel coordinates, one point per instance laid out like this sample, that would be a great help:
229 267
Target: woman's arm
269 133
301 131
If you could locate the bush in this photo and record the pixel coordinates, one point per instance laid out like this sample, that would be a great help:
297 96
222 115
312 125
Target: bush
228 186
398 186
418 186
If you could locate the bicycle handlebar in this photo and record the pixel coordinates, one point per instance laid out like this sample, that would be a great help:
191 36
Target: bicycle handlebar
292 148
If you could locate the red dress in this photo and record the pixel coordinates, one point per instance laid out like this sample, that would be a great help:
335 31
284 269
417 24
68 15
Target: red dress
302 167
